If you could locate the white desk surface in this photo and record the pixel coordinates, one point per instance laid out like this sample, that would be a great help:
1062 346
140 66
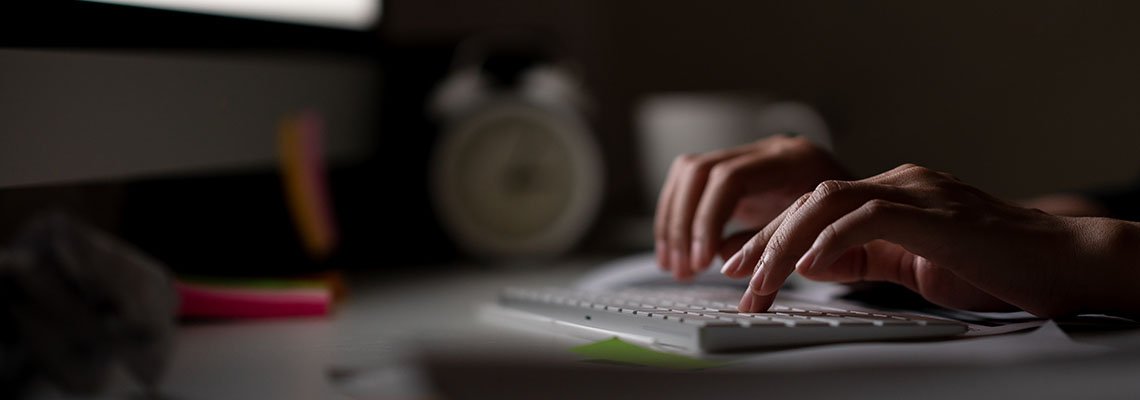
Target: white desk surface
295 358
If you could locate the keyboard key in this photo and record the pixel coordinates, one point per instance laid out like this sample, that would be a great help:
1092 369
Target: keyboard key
750 322
706 321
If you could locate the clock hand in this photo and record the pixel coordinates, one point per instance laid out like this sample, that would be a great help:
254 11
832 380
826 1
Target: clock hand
522 170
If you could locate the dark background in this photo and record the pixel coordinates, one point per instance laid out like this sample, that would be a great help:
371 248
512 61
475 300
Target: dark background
1016 97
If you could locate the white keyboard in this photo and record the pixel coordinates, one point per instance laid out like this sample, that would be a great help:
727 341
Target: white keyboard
705 319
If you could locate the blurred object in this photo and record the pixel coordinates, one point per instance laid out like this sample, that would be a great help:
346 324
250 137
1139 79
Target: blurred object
231 225
348 14
615 350
259 298
641 269
77 303
301 147
669 125
517 173
171 113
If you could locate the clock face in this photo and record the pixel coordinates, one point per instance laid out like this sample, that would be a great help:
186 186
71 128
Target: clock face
517 180
515 175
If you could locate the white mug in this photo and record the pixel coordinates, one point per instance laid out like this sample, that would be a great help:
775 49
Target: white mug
672 124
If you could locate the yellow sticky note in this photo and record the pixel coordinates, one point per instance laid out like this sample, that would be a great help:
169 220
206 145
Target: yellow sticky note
300 145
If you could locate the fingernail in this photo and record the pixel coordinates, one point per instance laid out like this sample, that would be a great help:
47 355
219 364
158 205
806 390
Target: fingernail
698 254
807 261
731 265
746 302
757 282
758 273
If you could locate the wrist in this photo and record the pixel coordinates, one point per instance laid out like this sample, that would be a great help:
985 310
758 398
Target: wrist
1109 263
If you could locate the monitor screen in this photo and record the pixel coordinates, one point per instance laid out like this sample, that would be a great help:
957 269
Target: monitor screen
345 14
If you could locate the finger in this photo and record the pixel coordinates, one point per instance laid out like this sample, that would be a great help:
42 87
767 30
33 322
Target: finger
752 303
872 263
691 180
841 253
661 218
746 261
720 197
764 237
894 222
830 201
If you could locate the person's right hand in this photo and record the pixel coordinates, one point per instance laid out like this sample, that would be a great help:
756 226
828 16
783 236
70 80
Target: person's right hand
754 183
950 242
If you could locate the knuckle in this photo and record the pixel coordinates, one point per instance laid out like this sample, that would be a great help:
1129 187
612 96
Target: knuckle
698 165
802 200
829 234
957 211
785 140
776 242
683 160
878 208
903 168
916 173
830 188
925 172
722 173
945 187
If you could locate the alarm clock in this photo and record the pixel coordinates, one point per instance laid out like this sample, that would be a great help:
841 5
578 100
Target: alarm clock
516 173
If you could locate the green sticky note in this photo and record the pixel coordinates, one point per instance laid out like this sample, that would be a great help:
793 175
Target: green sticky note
617 350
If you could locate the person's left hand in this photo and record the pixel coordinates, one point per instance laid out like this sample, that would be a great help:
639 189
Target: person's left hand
950 242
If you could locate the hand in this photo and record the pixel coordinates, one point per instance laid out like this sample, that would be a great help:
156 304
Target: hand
754 182
950 242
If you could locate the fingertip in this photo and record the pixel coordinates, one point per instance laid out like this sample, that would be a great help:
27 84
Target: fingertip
757 280
807 262
662 255
700 257
765 283
678 261
762 303
730 266
682 275
746 302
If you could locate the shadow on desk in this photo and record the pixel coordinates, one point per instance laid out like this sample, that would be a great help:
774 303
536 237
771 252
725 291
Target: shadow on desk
1111 376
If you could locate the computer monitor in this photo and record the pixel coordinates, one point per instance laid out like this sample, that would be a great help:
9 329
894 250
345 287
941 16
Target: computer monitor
162 127
141 93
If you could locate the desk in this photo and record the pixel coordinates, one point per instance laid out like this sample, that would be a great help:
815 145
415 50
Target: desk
294 358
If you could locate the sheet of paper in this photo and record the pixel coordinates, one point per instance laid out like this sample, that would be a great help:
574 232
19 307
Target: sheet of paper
642 269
